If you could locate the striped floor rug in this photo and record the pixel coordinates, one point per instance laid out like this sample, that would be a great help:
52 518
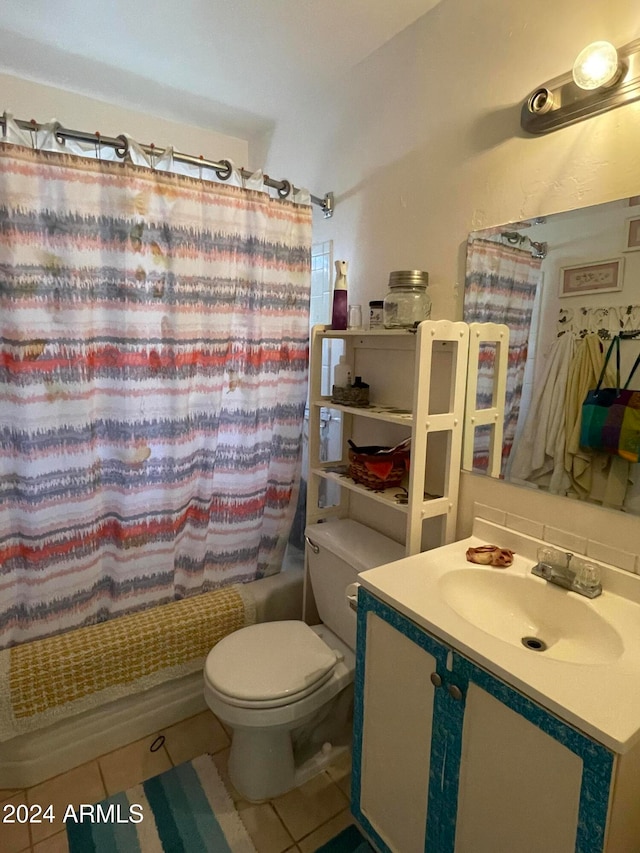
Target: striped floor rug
185 810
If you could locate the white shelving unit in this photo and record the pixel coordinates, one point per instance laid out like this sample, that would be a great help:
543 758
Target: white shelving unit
417 387
496 336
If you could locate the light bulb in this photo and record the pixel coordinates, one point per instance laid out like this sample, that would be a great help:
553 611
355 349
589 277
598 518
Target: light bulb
596 65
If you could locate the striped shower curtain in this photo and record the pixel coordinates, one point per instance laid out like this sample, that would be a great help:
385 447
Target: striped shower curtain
153 374
500 287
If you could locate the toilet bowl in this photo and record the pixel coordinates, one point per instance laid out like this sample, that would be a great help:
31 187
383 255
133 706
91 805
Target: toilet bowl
285 688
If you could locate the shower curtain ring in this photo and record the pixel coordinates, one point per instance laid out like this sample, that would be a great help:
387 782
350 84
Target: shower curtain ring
123 149
55 129
284 189
225 170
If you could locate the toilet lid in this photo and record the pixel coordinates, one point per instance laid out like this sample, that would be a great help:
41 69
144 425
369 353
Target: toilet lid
269 661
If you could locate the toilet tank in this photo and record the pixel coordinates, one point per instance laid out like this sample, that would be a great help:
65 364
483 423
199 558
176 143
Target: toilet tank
344 549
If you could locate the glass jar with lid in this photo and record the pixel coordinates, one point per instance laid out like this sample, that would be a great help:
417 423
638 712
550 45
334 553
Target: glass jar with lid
407 303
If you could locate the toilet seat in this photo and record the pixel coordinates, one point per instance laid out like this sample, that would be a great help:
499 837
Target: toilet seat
270 664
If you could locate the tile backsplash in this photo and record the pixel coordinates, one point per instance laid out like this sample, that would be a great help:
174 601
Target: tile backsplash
614 556
524 525
565 539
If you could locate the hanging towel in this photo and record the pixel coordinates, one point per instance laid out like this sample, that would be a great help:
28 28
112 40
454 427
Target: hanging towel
539 454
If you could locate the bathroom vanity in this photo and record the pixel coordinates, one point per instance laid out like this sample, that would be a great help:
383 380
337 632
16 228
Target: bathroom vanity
466 740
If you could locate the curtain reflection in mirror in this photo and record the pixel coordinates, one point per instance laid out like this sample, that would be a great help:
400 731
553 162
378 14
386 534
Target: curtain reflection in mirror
500 287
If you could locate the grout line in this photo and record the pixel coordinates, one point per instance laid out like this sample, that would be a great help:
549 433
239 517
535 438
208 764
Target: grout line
324 823
30 832
15 792
168 754
284 826
101 774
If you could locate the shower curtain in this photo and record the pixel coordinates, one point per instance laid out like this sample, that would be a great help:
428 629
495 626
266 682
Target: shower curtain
500 287
153 374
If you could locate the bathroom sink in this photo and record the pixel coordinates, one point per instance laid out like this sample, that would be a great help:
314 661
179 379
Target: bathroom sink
580 657
523 610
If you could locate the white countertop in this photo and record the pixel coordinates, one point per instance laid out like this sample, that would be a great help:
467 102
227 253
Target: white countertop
600 699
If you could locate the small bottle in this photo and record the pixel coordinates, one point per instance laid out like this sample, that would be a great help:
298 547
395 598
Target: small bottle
342 373
355 317
376 320
339 309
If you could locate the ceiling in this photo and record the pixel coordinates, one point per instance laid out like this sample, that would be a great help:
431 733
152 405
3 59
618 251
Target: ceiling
229 65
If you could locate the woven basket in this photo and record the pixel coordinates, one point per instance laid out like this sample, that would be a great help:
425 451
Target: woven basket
351 396
378 471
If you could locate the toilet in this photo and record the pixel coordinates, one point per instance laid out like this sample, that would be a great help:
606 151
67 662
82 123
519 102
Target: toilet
286 688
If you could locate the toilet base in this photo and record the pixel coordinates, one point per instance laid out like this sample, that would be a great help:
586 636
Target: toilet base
261 766
264 764
317 763
263 783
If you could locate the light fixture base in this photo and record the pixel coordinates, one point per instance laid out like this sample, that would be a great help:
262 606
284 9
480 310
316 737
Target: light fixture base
560 102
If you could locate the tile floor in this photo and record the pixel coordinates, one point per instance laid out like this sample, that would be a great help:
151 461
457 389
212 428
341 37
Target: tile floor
301 820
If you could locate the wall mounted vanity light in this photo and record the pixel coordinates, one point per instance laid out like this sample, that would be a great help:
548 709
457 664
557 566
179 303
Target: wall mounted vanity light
602 78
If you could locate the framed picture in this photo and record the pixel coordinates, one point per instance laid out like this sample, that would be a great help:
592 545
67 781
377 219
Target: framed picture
596 277
633 234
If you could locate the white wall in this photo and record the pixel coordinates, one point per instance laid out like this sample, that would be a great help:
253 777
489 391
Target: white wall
26 100
422 144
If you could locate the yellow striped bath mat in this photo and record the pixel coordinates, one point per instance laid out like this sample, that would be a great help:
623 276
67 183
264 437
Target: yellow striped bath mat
46 680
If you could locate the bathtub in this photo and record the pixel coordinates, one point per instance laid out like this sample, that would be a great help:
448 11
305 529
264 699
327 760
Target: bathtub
31 757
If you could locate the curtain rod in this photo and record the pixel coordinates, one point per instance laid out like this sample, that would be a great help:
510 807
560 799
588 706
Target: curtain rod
120 144
538 250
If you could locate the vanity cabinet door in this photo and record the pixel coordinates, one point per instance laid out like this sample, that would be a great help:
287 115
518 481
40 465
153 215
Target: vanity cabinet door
447 758
527 780
394 701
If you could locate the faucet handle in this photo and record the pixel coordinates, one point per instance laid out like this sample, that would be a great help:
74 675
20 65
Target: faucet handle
587 574
550 557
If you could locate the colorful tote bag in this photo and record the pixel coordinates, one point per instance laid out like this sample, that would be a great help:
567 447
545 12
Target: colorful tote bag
611 416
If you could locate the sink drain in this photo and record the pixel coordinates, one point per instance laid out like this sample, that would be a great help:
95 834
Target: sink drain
534 643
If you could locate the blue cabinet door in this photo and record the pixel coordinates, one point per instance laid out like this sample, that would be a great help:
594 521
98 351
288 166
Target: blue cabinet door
395 755
595 762
452 676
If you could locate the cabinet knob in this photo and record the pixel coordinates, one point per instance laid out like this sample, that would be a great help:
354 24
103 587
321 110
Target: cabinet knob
436 680
455 692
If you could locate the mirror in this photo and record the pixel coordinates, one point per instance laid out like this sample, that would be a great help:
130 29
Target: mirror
586 264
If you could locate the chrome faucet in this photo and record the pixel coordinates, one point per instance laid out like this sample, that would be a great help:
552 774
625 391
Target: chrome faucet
555 566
